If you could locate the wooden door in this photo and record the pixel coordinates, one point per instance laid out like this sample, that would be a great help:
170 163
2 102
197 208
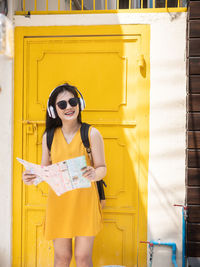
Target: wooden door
110 66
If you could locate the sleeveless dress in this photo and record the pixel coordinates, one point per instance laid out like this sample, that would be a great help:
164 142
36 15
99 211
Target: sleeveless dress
77 212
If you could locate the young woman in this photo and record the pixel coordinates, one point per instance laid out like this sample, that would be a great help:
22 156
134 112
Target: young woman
76 213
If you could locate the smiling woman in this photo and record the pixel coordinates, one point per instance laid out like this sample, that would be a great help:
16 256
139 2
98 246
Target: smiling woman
77 213
57 99
62 104
67 106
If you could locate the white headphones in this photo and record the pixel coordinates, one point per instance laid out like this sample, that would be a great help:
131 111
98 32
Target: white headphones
50 109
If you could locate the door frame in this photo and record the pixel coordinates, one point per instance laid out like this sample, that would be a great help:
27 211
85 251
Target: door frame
20 34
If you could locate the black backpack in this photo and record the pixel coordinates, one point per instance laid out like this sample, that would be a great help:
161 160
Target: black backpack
84 136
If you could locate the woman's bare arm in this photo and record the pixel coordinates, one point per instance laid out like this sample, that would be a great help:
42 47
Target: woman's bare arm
46 157
27 177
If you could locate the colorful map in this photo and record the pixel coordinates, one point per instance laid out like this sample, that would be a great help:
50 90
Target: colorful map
62 176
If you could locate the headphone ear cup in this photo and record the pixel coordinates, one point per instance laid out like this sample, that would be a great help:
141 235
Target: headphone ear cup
82 103
51 112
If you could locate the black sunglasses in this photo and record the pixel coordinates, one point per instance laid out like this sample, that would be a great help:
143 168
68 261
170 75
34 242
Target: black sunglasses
63 103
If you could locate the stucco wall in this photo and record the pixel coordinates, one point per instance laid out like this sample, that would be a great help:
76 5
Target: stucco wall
6 160
167 117
6 103
167 136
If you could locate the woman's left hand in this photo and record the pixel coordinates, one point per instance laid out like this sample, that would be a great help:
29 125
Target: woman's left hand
89 173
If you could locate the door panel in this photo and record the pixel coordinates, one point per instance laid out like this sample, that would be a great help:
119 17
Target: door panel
112 72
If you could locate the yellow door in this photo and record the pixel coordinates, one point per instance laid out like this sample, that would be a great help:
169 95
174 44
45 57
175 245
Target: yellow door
110 65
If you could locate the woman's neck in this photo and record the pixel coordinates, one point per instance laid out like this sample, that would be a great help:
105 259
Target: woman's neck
70 127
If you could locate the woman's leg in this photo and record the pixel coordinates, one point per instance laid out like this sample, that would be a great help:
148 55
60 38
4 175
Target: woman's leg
83 251
62 252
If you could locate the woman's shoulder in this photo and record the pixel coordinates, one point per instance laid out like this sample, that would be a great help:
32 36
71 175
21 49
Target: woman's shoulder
95 135
94 131
51 132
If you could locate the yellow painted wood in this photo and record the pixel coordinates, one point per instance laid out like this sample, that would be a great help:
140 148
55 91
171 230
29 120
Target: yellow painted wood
117 4
137 10
110 65
141 4
17 150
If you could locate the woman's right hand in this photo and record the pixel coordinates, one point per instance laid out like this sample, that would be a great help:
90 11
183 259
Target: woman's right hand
28 178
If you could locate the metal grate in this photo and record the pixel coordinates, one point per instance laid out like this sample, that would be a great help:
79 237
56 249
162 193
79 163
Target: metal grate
97 6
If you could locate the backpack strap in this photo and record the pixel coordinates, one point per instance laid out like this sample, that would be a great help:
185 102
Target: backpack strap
85 139
84 136
50 134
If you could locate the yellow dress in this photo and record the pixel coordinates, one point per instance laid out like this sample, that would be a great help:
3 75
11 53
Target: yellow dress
76 212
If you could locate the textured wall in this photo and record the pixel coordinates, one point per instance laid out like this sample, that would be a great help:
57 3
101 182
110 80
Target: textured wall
6 96
6 108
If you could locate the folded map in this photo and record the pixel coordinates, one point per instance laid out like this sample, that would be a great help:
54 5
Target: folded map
62 176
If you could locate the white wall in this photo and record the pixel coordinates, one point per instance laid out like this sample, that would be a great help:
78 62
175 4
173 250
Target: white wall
6 104
10 9
167 135
167 116
6 95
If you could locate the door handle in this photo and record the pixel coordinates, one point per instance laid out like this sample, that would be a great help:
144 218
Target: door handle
141 61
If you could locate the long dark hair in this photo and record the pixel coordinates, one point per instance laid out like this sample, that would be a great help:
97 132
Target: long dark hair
54 123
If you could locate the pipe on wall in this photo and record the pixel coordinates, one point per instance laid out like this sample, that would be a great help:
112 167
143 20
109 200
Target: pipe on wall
169 244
